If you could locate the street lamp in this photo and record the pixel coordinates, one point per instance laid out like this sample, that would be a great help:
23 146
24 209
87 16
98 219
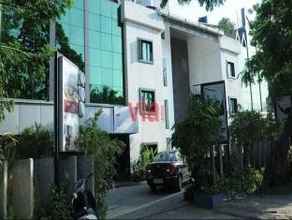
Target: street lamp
243 19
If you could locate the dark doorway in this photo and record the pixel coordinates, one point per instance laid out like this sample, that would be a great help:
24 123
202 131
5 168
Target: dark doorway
123 160
181 81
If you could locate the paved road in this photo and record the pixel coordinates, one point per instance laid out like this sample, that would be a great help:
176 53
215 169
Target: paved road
138 201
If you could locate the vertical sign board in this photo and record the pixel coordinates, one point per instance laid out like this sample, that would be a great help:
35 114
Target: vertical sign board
72 92
216 91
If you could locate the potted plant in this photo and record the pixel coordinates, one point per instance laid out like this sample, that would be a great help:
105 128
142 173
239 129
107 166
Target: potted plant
209 196
195 138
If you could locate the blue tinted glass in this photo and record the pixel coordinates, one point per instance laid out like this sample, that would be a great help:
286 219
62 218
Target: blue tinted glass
76 17
76 36
105 52
106 59
118 78
105 8
93 21
95 57
94 6
116 44
106 24
95 75
107 77
70 34
117 61
78 4
94 39
106 42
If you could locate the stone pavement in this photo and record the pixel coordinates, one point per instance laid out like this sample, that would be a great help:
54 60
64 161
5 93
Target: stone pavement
259 207
138 202
188 211
252 207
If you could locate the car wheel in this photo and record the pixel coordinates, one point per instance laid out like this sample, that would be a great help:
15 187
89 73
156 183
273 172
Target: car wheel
179 183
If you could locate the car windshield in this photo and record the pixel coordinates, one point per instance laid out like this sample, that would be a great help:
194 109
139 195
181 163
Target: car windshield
166 156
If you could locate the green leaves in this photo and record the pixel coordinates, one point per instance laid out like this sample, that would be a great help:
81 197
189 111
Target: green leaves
7 149
35 142
25 49
197 133
104 149
208 4
272 35
227 27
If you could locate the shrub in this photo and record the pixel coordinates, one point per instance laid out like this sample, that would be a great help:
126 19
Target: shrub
252 180
104 150
35 142
195 135
147 155
7 149
59 204
249 128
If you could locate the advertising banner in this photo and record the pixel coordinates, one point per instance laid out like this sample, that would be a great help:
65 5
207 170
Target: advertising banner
216 91
72 83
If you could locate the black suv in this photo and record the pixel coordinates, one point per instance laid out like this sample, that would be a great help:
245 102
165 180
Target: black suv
168 170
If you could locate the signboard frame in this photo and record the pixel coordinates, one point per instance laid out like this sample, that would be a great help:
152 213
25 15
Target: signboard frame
73 112
225 119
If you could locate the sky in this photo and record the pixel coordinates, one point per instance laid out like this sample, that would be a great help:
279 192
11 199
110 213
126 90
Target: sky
230 9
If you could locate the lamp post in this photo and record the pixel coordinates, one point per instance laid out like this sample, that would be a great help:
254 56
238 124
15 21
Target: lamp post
259 82
56 120
243 18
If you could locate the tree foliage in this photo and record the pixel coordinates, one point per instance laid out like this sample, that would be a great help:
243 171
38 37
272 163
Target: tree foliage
35 142
249 128
106 95
25 49
208 4
272 36
196 134
104 150
227 27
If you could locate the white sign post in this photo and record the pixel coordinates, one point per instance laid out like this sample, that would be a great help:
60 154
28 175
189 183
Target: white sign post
72 92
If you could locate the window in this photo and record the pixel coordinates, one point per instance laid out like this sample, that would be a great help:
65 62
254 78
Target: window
230 69
166 114
145 51
164 63
233 106
147 101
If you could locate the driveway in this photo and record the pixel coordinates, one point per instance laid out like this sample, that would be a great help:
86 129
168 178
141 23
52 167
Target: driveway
132 201
138 202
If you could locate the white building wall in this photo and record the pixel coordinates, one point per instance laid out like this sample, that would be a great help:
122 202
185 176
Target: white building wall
168 89
233 51
143 23
27 113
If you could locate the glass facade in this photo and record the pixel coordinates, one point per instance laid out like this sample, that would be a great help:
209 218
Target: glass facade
70 34
104 47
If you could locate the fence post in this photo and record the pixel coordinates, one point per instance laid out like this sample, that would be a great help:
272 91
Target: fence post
3 190
213 167
22 187
220 154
